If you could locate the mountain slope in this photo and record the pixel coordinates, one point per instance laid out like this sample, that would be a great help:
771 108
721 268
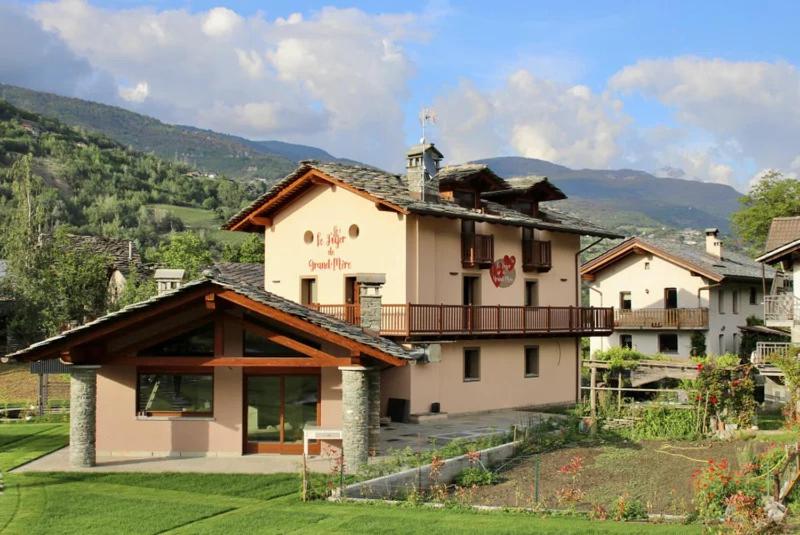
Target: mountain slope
207 150
611 194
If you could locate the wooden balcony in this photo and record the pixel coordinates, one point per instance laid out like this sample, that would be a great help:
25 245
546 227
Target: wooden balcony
536 255
434 321
661 318
781 310
477 250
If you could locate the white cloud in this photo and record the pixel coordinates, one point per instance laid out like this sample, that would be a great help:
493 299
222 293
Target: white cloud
531 117
137 93
748 109
220 22
337 78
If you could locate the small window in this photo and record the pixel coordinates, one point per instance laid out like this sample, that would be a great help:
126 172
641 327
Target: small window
721 301
308 236
667 343
532 361
647 265
753 295
626 341
472 364
735 343
531 294
175 394
467 199
353 231
670 298
625 300
735 301
308 291
721 344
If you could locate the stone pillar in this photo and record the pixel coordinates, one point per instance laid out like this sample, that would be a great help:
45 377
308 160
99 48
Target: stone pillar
369 299
355 417
374 404
82 410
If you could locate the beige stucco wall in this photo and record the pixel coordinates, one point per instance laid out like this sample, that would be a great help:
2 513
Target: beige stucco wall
120 432
647 291
502 381
437 277
379 247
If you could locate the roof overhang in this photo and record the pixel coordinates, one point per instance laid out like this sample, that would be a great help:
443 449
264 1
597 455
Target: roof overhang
632 246
261 213
776 255
542 191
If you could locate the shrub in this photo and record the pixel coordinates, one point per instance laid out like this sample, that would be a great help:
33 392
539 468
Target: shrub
627 508
476 476
619 357
716 483
661 421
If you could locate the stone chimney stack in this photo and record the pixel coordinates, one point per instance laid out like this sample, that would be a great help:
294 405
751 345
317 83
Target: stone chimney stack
168 279
713 242
422 164
369 295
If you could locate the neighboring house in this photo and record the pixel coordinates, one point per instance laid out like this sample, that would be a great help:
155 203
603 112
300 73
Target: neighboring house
446 290
122 254
782 305
663 293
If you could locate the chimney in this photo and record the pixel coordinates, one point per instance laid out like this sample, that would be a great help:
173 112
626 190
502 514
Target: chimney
713 242
422 164
168 279
369 297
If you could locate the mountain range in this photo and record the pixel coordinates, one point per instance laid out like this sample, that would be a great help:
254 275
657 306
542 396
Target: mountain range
626 200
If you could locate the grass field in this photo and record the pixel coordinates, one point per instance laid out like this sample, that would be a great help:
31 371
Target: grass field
68 503
199 219
18 386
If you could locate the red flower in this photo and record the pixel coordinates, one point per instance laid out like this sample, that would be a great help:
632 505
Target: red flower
700 367
713 400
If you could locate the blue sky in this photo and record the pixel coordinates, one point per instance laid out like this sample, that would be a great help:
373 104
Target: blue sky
705 87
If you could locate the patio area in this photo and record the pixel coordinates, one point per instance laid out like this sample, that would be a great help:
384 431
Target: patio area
394 436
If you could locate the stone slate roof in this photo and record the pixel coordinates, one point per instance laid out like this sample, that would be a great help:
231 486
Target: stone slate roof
523 184
251 274
462 173
123 253
732 264
393 189
241 287
783 230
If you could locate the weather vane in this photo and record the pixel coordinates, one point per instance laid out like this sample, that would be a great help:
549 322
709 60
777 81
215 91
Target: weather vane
426 116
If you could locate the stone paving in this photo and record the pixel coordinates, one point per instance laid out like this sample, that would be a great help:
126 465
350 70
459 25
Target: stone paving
393 436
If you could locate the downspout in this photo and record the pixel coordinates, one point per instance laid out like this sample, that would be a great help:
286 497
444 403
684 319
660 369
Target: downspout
598 292
700 299
578 303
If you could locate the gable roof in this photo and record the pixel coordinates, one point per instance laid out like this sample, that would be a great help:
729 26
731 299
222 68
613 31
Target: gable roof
451 176
538 187
225 279
783 239
122 253
691 257
391 192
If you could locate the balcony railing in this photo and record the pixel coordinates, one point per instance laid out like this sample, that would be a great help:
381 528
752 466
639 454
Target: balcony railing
414 320
661 318
781 308
767 350
477 250
536 255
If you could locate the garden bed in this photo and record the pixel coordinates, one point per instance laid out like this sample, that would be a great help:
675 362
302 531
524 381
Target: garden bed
657 473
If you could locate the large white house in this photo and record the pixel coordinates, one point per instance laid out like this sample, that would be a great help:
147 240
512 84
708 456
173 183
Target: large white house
664 293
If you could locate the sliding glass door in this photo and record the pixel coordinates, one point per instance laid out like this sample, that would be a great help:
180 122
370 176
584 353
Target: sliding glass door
277 408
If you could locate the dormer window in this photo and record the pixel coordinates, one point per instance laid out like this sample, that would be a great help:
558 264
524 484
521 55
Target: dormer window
466 198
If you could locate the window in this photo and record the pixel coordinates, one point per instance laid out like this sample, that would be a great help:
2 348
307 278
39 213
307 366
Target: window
467 199
753 295
647 265
470 294
472 364
667 343
626 341
175 394
735 343
531 294
532 361
195 343
625 300
735 301
721 298
721 344
670 298
308 291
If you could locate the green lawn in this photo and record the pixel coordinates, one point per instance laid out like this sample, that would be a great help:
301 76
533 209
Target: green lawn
83 503
201 219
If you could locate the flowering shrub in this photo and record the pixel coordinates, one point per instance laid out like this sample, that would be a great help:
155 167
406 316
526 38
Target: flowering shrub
627 508
717 482
726 392
571 494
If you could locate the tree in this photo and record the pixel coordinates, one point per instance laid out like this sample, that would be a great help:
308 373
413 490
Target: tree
772 196
185 250
249 251
51 282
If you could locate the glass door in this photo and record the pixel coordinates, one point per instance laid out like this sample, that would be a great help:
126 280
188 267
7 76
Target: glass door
277 409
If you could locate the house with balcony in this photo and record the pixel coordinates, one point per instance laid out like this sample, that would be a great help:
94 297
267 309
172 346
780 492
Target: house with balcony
782 304
665 293
441 291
